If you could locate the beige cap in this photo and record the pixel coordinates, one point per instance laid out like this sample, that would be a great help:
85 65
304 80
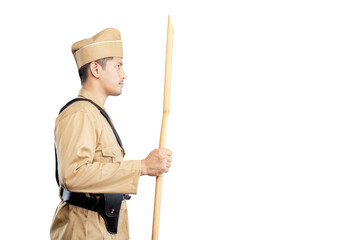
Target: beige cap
106 43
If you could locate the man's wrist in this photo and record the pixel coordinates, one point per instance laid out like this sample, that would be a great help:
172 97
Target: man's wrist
143 168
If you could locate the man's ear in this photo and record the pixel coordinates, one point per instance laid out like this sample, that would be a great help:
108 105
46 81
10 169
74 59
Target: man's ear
95 69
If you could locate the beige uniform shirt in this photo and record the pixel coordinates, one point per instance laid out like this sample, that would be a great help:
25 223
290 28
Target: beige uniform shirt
90 161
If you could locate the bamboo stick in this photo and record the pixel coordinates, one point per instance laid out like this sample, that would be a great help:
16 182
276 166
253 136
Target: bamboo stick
166 111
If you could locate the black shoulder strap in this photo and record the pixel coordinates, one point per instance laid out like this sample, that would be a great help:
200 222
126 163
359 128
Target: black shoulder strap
103 113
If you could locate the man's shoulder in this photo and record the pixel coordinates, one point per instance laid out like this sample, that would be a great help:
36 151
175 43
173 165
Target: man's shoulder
79 107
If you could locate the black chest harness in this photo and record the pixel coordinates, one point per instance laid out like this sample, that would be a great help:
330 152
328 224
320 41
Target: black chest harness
106 204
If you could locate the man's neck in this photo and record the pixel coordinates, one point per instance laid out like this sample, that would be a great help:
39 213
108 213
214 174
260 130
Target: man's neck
100 97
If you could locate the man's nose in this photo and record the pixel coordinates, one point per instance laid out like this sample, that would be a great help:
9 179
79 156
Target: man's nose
123 74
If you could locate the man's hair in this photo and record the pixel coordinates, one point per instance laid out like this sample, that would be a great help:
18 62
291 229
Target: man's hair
83 71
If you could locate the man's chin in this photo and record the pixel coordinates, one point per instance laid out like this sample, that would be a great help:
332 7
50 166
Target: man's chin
116 93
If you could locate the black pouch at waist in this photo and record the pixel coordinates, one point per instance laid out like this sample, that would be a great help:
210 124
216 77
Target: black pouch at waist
108 205
110 211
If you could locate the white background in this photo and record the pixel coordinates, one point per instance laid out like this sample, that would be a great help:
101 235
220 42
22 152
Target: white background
264 121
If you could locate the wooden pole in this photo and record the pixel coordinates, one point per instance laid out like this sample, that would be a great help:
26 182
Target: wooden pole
166 111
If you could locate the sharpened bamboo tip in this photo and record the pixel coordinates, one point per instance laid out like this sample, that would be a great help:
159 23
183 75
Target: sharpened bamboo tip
169 22
170 26
168 64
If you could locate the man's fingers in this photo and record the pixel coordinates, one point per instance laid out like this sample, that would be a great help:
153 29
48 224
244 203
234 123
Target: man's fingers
169 152
168 165
166 151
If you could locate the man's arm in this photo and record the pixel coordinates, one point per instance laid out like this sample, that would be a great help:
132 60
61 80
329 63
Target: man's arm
76 137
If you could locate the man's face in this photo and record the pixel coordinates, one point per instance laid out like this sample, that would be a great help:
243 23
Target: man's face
112 77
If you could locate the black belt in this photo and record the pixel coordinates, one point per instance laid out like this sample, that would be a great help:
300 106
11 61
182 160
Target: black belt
106 204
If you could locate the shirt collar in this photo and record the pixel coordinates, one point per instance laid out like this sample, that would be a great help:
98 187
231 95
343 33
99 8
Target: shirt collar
83 93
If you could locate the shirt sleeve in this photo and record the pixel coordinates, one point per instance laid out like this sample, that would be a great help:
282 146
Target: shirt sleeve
76 138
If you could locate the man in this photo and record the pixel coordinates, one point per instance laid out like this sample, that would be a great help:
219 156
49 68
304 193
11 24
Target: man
90 164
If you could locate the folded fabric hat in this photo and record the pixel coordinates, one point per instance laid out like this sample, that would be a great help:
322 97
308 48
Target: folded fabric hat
106 43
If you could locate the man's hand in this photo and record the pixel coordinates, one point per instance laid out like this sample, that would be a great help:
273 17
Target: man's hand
157 162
